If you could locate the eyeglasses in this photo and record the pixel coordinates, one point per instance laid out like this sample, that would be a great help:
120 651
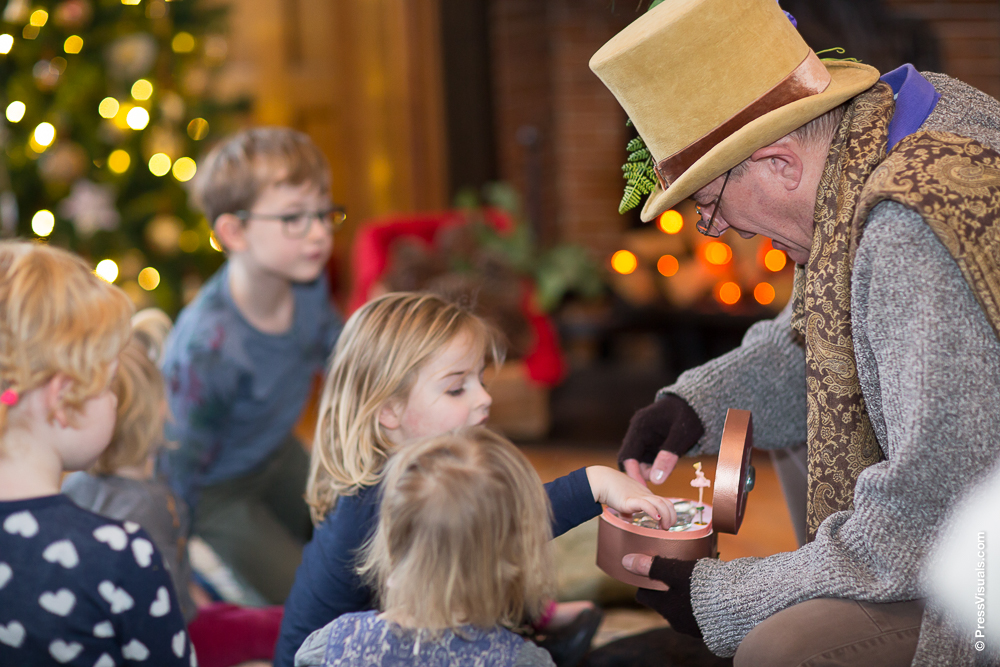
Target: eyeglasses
297 225
707 228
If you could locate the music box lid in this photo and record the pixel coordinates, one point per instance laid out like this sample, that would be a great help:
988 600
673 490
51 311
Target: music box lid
734 476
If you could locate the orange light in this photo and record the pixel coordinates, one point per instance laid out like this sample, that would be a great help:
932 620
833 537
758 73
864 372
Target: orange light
624 262
667 265
764 293
775 260
718 253
670 222
728 293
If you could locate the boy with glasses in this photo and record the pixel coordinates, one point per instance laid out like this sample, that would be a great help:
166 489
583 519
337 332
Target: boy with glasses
240 362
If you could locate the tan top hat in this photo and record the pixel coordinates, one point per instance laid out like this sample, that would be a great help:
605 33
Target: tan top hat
708 82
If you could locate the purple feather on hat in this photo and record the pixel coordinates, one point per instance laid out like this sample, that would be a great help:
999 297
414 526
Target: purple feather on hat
790 17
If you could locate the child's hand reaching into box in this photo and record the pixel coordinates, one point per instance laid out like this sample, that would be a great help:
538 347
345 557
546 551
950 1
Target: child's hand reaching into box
624 494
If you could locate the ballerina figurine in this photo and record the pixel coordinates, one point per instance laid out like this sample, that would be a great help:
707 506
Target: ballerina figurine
701 483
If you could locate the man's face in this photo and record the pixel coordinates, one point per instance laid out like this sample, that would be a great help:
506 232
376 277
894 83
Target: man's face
760 202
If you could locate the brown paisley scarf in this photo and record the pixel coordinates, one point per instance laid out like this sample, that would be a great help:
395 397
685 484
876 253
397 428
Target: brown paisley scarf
954 183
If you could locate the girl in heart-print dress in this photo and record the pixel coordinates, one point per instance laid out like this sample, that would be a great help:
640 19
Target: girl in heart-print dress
75 588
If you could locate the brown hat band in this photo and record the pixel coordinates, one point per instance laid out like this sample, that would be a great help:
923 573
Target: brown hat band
809 78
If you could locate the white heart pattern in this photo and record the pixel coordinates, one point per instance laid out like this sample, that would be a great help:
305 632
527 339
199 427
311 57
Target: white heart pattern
64 652
12 634
142 549
104 629
62 552
161 605
135 650
21 523
5 574
117 597
60 603
131 527
113 536
194 658
177 643
105 661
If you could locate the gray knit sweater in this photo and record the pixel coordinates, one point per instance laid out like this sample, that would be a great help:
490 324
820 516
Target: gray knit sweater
929 366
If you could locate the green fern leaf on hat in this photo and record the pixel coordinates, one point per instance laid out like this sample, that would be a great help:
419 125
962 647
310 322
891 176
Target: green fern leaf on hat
640 179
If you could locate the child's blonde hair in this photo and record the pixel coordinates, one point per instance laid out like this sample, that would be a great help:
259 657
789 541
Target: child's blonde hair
56 317
463 535
381 350
234 173
141 396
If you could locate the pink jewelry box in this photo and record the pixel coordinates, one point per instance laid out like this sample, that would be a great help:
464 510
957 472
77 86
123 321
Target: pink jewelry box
690 539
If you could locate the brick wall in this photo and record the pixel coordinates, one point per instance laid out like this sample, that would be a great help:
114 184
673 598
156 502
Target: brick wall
560 133
969 34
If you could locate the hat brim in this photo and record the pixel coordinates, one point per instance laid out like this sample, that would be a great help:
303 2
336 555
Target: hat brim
847 80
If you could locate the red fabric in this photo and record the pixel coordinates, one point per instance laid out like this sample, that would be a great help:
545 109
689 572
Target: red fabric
370 255
226 634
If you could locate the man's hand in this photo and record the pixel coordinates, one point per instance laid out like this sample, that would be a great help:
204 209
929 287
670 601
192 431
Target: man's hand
674 604
658 435
626 495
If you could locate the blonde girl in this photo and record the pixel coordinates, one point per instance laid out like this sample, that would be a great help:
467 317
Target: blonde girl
75 587
407 366
461 553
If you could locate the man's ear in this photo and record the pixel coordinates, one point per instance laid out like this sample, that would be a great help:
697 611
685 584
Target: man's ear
53 393
390 415
231 232
782 162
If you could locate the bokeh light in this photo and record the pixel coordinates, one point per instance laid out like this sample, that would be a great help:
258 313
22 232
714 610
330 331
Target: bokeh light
45 134
184 169
108 107
149 279
718 253
775 260
198 129
670 222
214 242
142 89
667 265
763 293
624 262
728 293
73 44
107 270
39 17
43 222
131 2
119 161
6 43
15 111
183 42
137 118
159 164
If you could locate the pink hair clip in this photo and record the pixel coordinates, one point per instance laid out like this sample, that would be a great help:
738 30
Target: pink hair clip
9 398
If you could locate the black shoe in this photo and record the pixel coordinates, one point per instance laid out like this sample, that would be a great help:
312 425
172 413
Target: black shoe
569 645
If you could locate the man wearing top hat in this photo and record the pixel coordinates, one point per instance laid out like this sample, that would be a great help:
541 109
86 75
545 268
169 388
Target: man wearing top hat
886 362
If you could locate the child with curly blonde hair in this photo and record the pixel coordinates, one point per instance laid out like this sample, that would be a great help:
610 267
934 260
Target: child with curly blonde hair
407 366
75 588
460 555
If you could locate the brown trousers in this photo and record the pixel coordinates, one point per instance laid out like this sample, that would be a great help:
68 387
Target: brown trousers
828 632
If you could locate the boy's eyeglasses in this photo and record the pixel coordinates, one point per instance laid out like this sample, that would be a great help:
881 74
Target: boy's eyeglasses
297 225
707 228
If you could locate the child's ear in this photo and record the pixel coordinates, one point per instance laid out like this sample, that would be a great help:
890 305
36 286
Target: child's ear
53 393
390 414
230 231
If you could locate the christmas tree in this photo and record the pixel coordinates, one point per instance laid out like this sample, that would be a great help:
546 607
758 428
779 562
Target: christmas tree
108 107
